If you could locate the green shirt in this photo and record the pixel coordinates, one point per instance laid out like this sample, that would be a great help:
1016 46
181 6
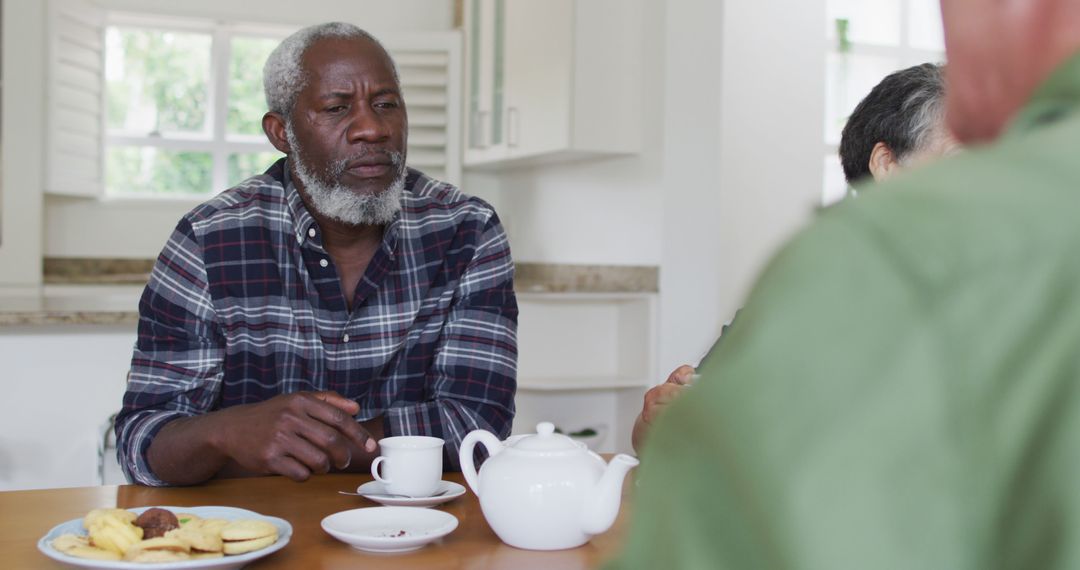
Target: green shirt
903 388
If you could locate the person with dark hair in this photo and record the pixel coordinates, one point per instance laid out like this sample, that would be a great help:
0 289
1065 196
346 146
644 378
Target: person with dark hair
899 124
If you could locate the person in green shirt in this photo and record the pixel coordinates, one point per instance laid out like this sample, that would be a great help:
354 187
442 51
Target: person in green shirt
903 388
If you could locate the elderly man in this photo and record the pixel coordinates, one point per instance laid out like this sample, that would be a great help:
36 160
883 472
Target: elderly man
899 124
906 394
293 320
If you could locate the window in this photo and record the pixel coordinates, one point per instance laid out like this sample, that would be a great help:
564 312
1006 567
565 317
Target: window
146 106
184 106
869 39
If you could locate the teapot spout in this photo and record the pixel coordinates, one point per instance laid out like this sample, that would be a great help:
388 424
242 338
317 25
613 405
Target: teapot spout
602 506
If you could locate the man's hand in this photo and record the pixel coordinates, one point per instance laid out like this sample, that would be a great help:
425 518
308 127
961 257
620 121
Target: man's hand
658 398
294 435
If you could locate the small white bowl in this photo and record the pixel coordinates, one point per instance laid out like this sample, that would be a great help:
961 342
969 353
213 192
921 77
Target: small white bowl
389 529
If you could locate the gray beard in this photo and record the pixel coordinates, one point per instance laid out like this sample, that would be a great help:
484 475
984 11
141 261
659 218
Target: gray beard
337 202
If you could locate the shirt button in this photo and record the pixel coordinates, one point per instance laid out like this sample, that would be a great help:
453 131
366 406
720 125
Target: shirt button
323 262
345 338
311 232
300 239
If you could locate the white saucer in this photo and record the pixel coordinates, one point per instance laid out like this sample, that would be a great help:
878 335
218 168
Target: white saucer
376 491
389 529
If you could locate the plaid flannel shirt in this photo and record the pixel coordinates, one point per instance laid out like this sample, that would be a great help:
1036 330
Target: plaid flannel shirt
244 304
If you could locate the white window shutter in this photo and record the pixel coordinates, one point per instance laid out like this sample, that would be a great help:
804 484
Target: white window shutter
75 99
430 68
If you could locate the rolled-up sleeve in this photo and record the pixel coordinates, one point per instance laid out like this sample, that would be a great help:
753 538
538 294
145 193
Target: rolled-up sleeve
176 367
473 378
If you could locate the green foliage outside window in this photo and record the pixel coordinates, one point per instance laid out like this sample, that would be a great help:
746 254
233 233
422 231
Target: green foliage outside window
158 86
247 104
148 170
157 80
242 166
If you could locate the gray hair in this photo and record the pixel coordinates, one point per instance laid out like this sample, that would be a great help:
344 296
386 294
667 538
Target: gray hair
925 108
283 74
902 111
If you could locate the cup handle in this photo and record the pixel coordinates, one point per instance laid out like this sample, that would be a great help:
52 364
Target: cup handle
375 469
465 455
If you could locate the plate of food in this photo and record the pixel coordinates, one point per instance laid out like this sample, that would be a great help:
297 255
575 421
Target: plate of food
173 538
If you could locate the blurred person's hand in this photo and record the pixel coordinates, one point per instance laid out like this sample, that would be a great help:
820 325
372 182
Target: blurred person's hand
657 400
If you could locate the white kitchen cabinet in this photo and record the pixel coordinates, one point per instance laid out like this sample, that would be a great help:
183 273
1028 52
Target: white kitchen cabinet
585 361
60 383
551 80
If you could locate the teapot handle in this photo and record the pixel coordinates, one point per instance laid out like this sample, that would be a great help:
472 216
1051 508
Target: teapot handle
465 454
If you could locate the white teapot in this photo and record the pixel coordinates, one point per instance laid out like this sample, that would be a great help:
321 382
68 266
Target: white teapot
544 491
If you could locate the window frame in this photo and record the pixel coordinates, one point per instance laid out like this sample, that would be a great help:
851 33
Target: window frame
217 142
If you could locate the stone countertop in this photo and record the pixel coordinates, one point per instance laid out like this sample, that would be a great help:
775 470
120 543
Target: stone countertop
71 306
555 278
106 291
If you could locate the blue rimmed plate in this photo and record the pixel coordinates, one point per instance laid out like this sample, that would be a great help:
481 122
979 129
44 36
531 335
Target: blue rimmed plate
75 526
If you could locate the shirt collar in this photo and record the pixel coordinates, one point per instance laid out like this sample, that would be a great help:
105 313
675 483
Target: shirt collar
303 220
1057 97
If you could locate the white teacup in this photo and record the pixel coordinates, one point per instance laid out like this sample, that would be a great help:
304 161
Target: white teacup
411 465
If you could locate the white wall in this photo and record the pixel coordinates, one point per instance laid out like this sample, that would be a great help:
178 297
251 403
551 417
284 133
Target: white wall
75 227
23 114
730 164
604 212
60 383
743 166
690 271
601 211
771 125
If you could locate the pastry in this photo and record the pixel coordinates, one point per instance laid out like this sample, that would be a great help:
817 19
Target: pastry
248 535
156 522
79 546
199 539
160 549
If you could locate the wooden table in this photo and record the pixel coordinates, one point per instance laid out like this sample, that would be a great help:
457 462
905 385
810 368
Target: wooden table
26 516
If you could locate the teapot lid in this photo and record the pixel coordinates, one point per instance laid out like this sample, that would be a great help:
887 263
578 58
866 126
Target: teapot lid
546 440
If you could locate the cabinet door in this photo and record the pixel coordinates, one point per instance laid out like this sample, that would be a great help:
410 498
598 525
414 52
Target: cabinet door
539 44
485 105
